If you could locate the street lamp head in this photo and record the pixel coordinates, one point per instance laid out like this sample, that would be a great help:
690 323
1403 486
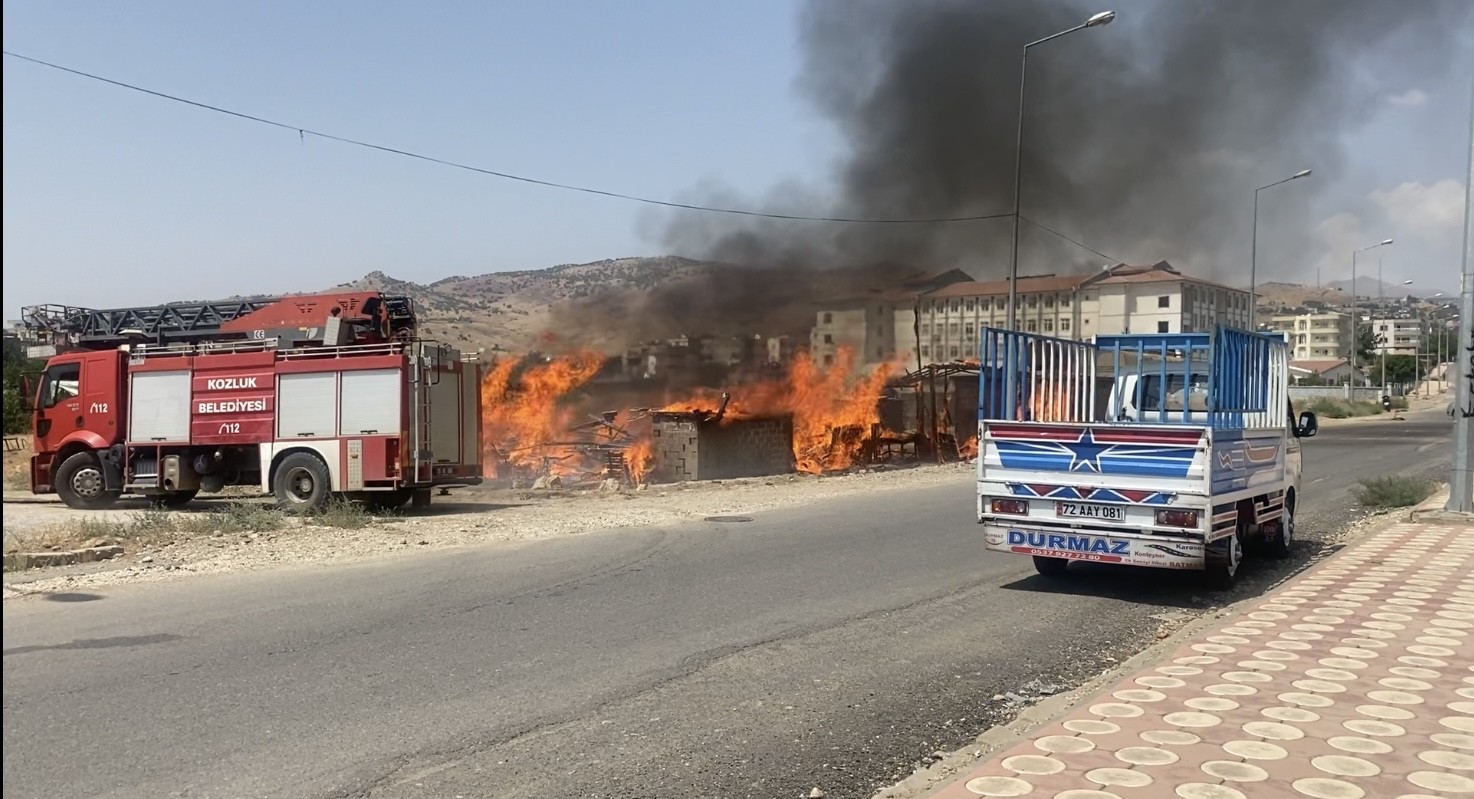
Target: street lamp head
1103 18
1386 241
1407 282
1304 173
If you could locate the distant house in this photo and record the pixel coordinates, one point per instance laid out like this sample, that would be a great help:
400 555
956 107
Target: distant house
1329 370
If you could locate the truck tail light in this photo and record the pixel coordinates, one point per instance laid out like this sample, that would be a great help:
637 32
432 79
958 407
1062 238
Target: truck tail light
1015 507
1177 518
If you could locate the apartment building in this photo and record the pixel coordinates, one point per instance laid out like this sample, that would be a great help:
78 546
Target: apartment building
1316 336
1122 299
1398 336
1159 299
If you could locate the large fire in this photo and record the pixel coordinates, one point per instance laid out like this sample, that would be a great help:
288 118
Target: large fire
520 422
527 415
834 408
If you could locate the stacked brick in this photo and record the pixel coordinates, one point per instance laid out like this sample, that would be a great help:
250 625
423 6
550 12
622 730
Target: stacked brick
690 448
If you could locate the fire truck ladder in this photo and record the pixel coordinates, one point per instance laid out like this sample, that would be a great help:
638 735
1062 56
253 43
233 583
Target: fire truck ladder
175 323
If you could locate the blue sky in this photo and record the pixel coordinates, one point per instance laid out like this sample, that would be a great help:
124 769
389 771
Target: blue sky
113 198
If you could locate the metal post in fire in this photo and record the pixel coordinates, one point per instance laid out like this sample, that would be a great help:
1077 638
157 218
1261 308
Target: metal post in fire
1461 479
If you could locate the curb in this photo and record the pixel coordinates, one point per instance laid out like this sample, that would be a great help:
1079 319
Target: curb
1431 511
21 561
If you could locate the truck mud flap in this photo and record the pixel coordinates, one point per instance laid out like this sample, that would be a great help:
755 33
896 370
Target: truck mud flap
1129 550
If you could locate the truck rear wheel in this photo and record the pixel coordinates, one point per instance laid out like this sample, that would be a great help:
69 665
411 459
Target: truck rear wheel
301 482
1224 557
1051 567
1280 546
80 483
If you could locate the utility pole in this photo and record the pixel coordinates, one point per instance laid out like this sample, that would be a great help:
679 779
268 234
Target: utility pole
1461 479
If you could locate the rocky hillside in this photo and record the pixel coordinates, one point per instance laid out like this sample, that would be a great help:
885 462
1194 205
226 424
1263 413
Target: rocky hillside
511 310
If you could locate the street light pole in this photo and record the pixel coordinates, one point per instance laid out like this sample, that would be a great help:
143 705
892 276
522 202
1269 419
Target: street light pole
1254 245
1355 316
1461 477
1103 18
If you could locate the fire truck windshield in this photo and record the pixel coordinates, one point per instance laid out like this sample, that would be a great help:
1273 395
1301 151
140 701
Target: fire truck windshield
60 383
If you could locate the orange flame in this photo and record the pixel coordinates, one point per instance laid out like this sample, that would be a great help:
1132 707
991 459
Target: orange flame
638 458
834 408
1050 405
517 421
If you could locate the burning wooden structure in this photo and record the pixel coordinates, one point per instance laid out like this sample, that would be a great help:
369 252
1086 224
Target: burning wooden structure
934 411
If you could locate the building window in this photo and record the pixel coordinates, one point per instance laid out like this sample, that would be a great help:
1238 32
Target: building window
1031 326
925 329
1033 301
954 352
828 360
1048 325
1164 301
828 318
1049 301
1064 325
828 338
1064 302
1162 326
968 329
879 352
970 304
954 326
925 351
1001 303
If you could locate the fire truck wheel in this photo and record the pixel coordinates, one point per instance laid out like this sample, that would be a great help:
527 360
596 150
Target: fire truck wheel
301 482
1051 567
173 499
386 500
80 483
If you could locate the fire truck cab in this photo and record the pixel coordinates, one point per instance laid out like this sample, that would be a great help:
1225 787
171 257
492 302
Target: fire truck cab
304 397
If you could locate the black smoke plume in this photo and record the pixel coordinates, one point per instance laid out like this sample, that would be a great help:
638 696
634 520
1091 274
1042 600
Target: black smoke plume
1144 139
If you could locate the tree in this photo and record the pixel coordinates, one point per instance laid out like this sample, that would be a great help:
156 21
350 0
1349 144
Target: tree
1399 369
1442 344
17 420
1367 343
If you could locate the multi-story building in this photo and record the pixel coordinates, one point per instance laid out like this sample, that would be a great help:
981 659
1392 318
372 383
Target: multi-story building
1398 336
1159 299
1316 336
944 323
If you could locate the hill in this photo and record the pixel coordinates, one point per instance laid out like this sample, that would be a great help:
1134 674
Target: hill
510 310
614 304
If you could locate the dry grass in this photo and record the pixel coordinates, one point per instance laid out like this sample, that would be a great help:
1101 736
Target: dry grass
1394 491
157 526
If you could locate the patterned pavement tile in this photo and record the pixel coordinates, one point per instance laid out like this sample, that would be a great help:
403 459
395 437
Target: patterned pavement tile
1353 681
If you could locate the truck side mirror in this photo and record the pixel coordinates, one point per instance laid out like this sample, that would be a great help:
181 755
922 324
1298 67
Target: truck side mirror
1308 425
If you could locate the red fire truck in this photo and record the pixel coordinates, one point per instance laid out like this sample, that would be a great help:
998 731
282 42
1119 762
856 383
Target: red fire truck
307 397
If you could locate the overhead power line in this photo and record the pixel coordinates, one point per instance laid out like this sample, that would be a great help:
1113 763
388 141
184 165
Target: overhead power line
302 131
1051 231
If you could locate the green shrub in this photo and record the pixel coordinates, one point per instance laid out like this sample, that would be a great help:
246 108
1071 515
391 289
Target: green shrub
1342 409
1394 491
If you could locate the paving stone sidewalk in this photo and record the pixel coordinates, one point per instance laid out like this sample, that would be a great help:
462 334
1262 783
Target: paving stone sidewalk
1353 680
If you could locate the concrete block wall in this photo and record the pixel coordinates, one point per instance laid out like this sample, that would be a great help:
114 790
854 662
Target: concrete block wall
686 449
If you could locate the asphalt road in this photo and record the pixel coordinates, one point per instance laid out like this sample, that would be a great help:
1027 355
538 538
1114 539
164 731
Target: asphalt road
834 645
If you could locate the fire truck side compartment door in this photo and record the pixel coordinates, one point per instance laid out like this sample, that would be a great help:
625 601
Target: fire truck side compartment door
369 404
307 405
470 427
158 406
445 418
